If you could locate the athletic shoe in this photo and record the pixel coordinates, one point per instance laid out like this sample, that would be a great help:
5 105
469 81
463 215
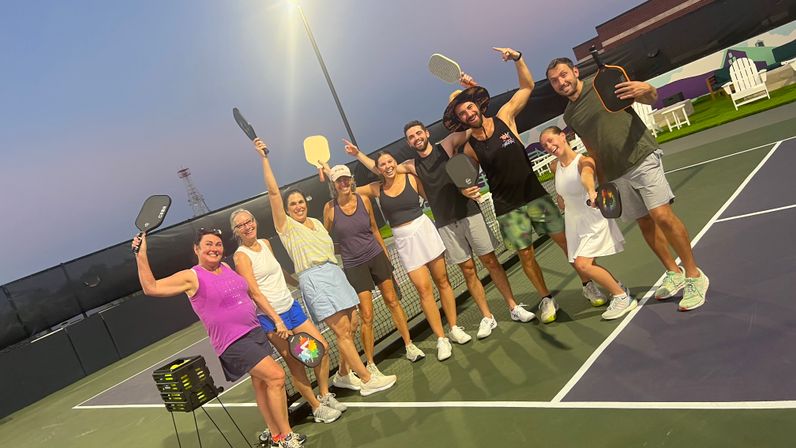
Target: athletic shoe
620 305
377 384
695 291
548 308
330 401
458 335
373 369
673 282
413 353
593 294
266 441
292 440
349 381
520 314
487 325
325 414
444 349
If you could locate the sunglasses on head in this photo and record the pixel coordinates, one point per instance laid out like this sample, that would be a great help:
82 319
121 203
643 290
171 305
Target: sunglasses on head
203 231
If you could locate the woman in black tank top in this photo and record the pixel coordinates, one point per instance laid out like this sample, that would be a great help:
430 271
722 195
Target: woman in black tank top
417 241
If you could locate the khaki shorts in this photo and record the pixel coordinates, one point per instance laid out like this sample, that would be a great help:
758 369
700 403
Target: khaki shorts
540 215
466 237
644 188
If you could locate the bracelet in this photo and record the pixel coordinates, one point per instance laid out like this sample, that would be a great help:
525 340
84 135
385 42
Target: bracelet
519 56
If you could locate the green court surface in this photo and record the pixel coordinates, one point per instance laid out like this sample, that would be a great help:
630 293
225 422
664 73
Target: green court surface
501 391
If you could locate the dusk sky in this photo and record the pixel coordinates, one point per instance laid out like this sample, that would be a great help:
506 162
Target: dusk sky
102 102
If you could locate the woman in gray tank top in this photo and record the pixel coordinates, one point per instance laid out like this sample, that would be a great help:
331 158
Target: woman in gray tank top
419 246
351 222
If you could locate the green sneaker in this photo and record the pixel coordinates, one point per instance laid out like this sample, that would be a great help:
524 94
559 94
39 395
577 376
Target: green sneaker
695 291
673 282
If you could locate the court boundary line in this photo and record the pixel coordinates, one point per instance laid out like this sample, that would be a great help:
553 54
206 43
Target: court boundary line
762 212
754 148
626 321
641 405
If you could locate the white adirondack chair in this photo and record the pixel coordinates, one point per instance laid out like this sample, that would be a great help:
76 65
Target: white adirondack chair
644 111
748 84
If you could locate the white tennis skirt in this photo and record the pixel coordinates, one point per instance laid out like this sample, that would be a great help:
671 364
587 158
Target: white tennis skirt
417 243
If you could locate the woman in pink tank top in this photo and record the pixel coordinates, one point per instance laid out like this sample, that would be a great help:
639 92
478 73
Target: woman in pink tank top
220 298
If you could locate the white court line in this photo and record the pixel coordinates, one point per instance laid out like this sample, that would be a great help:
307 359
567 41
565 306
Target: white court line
762 212
707 405
601 348
158 364
719 158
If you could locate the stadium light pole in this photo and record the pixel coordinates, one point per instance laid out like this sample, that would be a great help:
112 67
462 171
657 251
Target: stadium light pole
351 137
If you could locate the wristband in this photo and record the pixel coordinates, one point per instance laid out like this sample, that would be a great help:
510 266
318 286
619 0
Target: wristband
519 56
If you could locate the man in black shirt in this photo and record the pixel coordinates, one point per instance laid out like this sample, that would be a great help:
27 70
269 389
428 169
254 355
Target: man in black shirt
522 205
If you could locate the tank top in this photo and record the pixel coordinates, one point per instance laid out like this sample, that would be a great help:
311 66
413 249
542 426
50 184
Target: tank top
512 181
446 201
569 186
223 305
269 276
402 208
354 235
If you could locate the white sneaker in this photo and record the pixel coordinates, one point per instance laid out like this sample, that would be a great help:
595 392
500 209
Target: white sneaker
413 353
520 314
373 369
349 381
325 414
330 401
377 384
444 349
593 294
458 335
620 305
547 310
485 328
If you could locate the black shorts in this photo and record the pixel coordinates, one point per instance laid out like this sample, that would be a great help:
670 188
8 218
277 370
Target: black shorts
367 275
245 353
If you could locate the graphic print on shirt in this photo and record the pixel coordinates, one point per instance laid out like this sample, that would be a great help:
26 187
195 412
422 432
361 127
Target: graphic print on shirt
506 140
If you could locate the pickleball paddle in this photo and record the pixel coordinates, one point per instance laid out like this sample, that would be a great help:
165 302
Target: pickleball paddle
306 349
605 81
608 201
152 213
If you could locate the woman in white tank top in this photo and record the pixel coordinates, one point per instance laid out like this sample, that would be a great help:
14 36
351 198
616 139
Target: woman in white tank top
255 262
589 234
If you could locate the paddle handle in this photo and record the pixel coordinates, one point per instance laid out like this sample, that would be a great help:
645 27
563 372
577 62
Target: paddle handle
137 248
596 57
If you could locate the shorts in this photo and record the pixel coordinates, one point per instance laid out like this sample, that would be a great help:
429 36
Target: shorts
326 291
644 187
540 215
292 318
417 243
466 237
366 276
242 355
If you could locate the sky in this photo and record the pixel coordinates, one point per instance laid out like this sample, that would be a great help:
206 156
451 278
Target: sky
101 103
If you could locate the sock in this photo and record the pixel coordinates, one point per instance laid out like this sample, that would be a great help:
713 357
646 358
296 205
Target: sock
279 437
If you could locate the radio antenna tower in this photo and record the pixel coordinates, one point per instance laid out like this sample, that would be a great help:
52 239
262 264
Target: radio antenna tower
195 198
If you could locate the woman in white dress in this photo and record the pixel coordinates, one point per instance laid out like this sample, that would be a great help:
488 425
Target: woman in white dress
589 234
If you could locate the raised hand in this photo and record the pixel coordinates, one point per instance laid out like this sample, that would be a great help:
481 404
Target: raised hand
260 146
350 148
467 81
632 89
139 244
507 53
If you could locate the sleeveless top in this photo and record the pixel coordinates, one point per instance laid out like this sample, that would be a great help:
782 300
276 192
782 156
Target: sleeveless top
354 234
512 181
402 208
269 276
307 247
223 305
446 201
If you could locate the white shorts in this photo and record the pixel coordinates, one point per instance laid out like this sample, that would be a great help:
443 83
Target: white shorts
417 243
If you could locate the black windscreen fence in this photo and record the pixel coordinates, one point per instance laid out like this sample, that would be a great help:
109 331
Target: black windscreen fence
43 300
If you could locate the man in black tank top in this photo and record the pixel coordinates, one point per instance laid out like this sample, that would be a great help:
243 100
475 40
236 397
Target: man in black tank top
457 218
522 205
